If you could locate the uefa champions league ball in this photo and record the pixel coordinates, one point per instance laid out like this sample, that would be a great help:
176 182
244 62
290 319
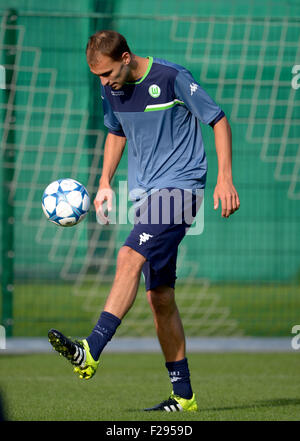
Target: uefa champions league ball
65 202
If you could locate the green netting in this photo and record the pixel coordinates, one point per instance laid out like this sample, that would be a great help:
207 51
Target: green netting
241 276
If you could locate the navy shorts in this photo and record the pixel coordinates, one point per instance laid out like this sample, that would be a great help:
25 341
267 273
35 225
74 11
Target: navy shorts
161 222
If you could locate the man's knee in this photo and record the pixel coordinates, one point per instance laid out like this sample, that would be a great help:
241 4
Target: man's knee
130 260
162 299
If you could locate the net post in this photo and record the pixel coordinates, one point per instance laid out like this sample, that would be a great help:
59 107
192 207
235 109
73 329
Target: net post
8 159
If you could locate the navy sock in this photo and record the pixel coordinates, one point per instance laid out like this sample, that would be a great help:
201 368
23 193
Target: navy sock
180 378
102 333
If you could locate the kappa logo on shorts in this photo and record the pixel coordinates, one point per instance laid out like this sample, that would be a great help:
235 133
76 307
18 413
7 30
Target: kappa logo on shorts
144 237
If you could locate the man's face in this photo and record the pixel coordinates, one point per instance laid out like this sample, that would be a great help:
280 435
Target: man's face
112 73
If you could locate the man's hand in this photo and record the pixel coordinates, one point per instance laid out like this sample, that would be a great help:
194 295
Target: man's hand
103 196
226 192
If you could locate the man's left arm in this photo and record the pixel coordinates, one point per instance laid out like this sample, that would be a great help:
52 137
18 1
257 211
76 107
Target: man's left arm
203 107
225 190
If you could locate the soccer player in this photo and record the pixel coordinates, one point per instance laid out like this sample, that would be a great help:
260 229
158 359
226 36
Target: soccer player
156 107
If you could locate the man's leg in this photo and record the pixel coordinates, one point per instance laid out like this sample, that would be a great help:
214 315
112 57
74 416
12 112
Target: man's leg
167 322
172 340
126 282
84 355
119 301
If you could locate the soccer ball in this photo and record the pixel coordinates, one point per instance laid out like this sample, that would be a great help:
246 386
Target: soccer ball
65 202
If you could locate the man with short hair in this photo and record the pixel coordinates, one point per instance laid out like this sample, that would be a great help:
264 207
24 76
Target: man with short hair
155 106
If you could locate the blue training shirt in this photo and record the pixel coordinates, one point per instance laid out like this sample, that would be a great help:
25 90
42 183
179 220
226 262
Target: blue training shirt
159 115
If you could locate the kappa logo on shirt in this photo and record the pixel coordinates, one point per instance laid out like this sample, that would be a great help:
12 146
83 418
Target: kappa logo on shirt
144 237
193 87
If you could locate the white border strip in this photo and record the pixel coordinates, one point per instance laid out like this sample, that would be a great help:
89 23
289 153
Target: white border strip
163 106
26 345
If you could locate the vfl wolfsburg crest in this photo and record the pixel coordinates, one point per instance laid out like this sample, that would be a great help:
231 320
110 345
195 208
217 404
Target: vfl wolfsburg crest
154 91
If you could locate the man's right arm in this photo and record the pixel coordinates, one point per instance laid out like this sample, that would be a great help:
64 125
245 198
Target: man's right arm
113 151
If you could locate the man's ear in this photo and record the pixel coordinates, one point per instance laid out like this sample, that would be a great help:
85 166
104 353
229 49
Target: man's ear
126 58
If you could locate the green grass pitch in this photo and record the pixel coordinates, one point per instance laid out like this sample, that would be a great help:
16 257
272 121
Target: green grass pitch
229 387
